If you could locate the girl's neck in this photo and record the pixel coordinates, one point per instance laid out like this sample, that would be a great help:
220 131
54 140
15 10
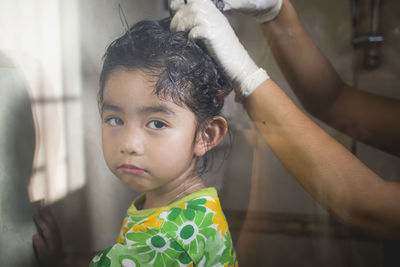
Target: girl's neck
188 186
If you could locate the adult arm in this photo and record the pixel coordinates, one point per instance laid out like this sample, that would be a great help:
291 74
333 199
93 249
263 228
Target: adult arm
348 189
367 117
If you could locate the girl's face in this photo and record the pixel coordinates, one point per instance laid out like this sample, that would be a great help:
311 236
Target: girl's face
148 143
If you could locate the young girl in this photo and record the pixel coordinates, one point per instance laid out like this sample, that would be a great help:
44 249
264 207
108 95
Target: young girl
160 100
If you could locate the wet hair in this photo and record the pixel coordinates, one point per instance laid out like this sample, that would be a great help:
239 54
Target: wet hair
185 72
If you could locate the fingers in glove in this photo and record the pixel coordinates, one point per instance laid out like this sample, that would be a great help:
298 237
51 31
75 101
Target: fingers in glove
176 4
193 14
198 32
184 19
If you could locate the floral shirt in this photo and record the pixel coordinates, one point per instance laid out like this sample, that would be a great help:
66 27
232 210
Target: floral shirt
189 232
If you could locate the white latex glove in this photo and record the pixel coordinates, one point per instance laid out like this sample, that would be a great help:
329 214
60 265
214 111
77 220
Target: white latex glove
204 21
263 10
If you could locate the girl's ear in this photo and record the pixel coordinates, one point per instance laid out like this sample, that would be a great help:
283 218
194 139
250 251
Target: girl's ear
210 135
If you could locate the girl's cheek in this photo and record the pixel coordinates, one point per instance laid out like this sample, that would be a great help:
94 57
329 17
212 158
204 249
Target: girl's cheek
112 131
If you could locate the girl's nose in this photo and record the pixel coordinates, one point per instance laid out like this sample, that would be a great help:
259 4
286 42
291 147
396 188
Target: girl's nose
132 142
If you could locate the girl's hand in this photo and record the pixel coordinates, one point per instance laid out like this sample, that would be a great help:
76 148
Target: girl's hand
263 10
206 22
47 243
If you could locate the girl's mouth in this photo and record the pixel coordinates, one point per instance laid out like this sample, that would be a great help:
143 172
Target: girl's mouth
131 169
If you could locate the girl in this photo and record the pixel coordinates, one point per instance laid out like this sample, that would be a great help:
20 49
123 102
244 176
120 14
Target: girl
160 100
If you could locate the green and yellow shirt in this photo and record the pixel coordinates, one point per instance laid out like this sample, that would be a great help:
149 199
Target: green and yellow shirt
189 232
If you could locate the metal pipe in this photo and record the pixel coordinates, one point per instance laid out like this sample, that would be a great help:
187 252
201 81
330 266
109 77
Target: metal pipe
372 39
375 16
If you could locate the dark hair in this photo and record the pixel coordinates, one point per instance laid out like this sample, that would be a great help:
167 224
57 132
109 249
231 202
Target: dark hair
186 73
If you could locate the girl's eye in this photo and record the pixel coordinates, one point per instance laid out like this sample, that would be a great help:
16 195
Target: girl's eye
114 121
155 124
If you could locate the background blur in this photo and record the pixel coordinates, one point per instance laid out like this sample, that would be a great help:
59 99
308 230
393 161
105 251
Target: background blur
50 58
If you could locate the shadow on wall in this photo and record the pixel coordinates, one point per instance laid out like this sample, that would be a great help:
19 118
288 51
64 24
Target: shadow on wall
17 142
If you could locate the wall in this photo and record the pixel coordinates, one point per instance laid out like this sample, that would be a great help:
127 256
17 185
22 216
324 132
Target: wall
17 143
384 80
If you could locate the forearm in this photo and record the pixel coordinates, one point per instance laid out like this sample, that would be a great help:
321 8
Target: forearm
369 118
332 175
309 73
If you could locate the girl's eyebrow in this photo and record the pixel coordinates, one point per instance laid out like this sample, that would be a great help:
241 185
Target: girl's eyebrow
157 109
107 106
144 110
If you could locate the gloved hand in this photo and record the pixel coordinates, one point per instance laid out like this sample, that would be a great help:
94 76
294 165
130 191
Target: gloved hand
263 10
204 21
